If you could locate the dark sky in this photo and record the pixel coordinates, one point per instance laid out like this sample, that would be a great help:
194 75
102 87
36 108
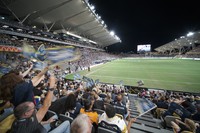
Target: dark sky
154 22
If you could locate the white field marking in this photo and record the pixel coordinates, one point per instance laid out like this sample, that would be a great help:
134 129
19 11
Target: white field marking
144 79
97 69
155 72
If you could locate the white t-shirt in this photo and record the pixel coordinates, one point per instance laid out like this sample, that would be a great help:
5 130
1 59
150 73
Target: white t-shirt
115 120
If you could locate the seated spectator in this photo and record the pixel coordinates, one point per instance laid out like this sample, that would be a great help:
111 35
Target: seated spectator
197 99
58 106
26 115
88 105
103 93
162 104
124 112
81 124
196 115
124 98
110 117
87 93
187 104
66 104
187 125
108 99
72 106
114 94
98 103
176 109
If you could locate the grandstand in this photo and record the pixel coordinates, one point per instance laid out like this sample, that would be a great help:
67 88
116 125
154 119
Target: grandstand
75 23
181 45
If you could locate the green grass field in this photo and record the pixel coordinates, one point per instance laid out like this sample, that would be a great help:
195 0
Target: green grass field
170 74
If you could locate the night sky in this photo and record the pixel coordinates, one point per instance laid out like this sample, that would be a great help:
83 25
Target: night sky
154 22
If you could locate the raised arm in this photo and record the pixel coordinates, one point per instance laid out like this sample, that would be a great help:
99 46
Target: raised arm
27 71
131 121
47 101
36 80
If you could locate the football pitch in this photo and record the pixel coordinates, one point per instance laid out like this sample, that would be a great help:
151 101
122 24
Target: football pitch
168 74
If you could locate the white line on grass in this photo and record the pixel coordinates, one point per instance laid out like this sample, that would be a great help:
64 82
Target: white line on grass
143 79
133 71
97 69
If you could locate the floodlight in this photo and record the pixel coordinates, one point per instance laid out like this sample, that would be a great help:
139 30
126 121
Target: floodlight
190 34
112 33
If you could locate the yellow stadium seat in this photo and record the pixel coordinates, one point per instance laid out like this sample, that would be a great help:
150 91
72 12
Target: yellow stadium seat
6 124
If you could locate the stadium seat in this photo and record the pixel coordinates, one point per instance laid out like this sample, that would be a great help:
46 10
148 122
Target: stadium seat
104 127
168 119
120 110
99 111
186 132
63 118
49 114
6 124
104 130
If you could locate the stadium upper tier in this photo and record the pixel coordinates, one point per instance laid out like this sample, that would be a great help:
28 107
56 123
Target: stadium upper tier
180 45
74 17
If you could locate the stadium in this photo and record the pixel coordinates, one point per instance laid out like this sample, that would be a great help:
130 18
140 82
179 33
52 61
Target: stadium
54 59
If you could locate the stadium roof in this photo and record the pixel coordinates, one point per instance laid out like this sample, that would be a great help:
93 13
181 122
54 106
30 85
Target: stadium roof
184 41
75 16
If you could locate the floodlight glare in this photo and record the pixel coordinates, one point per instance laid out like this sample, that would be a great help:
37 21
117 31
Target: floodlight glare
190 34
92 7
112 33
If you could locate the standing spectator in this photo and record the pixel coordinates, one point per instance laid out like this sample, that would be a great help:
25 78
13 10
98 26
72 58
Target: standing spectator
16 90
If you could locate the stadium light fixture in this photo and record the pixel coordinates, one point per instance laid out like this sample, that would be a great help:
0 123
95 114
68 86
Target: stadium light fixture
5 26
116 37
190 34
92 41
92 7
73 35
112 33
